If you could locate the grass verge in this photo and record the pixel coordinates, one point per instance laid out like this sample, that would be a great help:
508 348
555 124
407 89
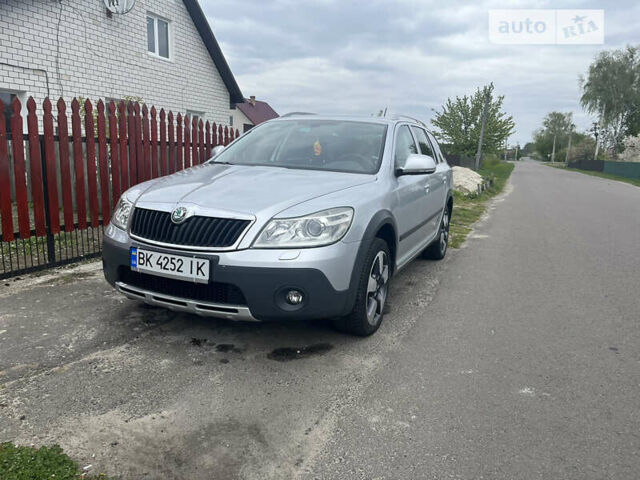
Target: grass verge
608 176
467 209
44 463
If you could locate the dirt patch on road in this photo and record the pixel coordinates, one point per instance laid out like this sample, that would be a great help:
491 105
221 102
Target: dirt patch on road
286 354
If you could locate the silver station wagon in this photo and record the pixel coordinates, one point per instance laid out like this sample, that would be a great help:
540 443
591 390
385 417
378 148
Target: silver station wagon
303 217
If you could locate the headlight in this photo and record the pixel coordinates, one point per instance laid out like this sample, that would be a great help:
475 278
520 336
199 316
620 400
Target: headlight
121 213
313 230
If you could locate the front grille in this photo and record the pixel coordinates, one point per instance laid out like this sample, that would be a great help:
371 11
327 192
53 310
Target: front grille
193 232
214 292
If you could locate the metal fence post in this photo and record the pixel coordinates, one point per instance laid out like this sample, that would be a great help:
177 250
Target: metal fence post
51 246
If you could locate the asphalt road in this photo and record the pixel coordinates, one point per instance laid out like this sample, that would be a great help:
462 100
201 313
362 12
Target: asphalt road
516 357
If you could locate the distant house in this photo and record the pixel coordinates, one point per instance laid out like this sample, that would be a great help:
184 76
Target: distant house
161 51
252 112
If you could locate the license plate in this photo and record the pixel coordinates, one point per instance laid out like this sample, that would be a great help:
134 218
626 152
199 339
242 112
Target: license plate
168 265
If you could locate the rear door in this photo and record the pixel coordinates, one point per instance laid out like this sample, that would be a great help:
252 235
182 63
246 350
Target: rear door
443 172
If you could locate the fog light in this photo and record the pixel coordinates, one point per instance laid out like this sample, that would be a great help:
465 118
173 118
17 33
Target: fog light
294 297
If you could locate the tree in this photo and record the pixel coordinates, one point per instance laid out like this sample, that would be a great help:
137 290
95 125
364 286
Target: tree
527 150
460 120
582 148
631 150
611 90
556 127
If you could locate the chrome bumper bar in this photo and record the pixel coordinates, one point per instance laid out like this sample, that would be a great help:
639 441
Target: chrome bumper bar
178 304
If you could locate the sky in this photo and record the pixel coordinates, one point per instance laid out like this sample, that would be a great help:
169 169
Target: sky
409 56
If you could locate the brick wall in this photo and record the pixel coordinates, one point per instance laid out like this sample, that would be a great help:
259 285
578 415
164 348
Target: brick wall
93 56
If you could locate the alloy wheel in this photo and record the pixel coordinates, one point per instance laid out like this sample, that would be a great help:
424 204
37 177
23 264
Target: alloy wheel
444 230
377 287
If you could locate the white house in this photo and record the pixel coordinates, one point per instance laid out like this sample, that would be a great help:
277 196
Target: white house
251 113
162 51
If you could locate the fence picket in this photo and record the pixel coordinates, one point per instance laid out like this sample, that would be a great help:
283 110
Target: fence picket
65 170
208 140
37 194
103 164
154 144
202 144
78 164
226 135
171 163
179 142
19 171
115 160
146 150
187 142
140 160
220 135
237 133
194 142
51 166
124 159
5 182
133 164
163 143
92 176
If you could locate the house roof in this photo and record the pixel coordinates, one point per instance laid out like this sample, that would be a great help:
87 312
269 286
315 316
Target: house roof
202 25
258 113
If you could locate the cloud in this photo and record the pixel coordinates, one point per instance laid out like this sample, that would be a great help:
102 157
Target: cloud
406 55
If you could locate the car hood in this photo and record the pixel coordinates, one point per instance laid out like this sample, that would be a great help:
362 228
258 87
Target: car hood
242 190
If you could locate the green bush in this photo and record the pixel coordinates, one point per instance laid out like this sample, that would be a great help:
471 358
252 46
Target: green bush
44 463
490 160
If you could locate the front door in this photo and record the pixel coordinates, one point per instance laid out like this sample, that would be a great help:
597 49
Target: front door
434 201
411 193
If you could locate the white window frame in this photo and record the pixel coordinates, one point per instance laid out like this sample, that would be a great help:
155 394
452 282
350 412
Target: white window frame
156 51
198 114
23 97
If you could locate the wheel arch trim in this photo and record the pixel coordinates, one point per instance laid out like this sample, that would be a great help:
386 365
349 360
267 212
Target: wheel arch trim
379 221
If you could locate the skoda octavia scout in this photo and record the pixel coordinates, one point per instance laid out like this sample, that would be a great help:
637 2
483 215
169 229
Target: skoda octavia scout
302 217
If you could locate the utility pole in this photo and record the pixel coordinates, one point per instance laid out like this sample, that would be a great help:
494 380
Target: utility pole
566 159
506 146
517 146
484 121
598 136
553 151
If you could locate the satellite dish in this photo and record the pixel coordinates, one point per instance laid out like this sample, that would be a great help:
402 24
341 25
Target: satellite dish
119 6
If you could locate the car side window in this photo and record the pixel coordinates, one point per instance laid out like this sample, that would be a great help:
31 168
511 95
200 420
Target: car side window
405 146
423 142
436 147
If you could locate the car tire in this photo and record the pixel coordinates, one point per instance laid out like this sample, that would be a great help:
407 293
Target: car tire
438 248
372 293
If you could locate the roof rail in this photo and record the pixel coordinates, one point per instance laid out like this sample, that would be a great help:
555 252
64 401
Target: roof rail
293 114
412 118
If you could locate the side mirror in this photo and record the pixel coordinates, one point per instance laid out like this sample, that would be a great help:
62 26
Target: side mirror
216 151
417 165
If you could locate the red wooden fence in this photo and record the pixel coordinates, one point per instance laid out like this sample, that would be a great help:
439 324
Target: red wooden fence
85 168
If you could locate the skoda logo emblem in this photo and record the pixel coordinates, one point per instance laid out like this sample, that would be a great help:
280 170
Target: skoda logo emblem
179 215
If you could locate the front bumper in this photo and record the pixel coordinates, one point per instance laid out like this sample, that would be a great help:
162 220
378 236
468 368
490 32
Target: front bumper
257 279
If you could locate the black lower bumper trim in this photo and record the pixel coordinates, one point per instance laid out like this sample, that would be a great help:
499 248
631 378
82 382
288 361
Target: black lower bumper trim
262 290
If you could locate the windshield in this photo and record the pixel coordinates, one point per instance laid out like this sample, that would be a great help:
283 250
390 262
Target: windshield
335 145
